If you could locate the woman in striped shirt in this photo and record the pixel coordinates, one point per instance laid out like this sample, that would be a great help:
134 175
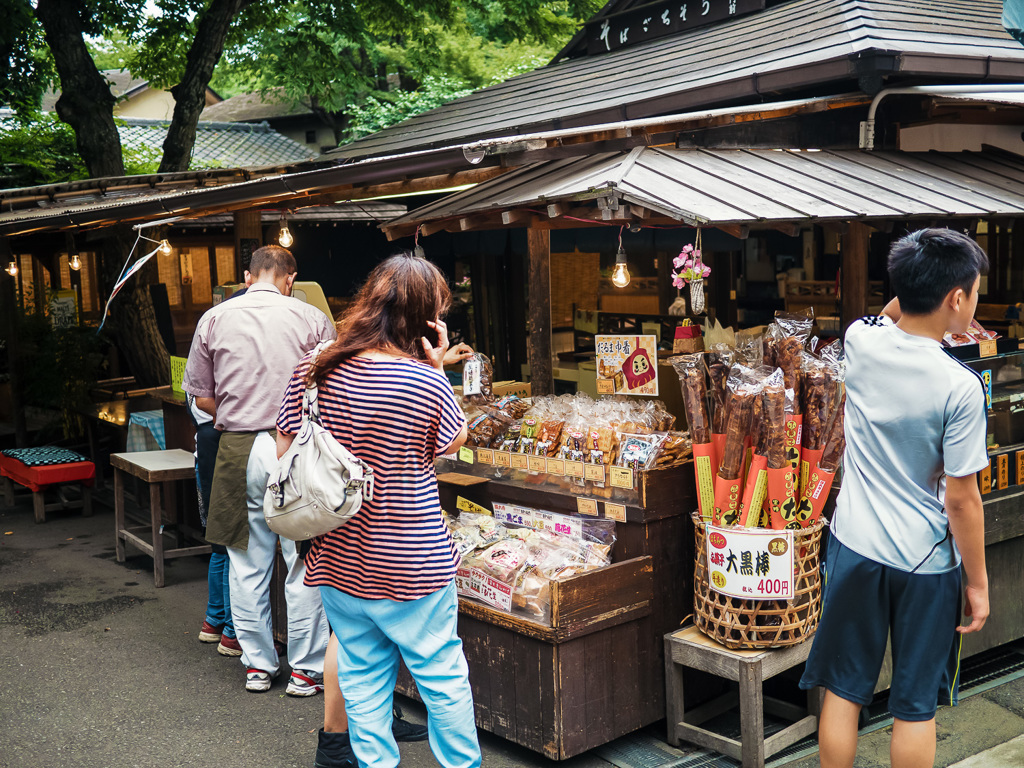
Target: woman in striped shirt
387 577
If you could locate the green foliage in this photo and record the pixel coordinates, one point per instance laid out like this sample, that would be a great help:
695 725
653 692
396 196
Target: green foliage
375 113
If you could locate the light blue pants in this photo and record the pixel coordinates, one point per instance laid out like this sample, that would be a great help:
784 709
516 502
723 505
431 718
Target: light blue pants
218 606
250 576
372 635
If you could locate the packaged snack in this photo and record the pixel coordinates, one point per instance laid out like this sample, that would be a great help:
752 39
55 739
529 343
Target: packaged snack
743 390
690 369
487 427
676 449
770 406
639 451
482 380
819 483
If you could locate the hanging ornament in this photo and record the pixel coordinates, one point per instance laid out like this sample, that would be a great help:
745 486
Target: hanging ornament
689 268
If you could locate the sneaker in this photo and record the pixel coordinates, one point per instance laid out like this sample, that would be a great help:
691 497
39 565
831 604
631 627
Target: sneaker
403 730
258 681
209 633
228 646
304 683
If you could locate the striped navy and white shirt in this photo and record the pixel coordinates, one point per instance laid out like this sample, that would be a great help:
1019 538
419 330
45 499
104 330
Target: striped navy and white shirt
397 416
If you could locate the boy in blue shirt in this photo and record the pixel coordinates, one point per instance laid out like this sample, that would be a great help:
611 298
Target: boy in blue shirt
909 512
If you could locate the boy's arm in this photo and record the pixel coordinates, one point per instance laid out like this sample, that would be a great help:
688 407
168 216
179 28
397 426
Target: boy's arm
967 523
892 310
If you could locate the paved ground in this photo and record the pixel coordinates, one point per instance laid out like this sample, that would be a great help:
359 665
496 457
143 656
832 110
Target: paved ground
100 669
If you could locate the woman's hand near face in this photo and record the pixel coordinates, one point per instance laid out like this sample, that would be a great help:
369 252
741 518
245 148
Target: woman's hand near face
435 355
457 354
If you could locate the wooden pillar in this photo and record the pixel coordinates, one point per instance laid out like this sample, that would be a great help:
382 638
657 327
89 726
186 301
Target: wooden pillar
248 237
854 263
539 291
9 332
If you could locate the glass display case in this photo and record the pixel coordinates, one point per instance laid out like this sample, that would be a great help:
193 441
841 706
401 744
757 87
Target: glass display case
1003 373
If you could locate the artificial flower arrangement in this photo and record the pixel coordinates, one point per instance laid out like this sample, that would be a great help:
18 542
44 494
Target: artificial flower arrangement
688 269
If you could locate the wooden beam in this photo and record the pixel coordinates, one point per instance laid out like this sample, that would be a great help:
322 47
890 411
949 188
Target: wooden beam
557 209
248 227
788 228
853 260
405 187
740 231
514 215
539 297
399 231
430 227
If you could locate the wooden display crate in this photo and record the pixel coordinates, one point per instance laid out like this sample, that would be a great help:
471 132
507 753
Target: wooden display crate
570 687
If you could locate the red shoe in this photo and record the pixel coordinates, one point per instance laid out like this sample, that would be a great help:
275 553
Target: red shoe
209 633
229 646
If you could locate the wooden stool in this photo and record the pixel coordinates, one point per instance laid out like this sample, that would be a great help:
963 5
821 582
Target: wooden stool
160 470
37 477
691 648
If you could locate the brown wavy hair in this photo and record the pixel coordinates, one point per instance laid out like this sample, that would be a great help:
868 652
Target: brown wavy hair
390 311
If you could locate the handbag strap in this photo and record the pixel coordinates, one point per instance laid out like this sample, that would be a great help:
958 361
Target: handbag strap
310 401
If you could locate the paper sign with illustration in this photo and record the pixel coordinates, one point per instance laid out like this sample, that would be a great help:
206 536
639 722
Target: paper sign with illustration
627 365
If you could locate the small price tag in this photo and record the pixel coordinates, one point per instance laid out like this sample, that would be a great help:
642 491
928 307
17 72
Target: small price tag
594 472
574 468
503 458
556 467
987 348
586 506
519 461
620 477
1020 467
465 505
605 387
537 464
616 512
986 479
1002 471
466 454
485 455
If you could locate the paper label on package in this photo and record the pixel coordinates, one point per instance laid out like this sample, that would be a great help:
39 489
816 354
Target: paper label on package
471 376
616 512
485 587
750 563
485 455
620 477
465 505
464 582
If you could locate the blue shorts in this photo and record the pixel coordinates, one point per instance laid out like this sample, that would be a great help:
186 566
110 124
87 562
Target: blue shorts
863 602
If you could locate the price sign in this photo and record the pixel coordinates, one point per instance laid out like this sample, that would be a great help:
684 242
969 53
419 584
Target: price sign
616 512
750 563
574 468
490 590
1020 467
519 461
620 477
503 458
594 472
466 455
987 348
587 507
1002 471
537 464
510 513
485 455
556 467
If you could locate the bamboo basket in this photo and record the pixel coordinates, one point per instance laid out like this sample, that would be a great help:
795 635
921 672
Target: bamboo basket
738 623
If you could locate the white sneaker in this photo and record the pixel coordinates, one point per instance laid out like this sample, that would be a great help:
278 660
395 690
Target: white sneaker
304 683
258 681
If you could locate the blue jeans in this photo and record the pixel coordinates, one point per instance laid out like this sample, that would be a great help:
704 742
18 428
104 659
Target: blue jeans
218 605
372 636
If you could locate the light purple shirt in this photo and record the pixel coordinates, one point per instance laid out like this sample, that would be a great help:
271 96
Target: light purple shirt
245 350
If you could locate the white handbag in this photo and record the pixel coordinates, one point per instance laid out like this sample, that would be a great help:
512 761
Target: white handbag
318 484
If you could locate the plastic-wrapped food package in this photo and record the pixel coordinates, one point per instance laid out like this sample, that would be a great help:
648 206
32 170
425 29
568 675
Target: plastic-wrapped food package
478 379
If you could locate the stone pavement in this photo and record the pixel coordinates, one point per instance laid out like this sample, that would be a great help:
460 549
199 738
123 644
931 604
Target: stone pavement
101 669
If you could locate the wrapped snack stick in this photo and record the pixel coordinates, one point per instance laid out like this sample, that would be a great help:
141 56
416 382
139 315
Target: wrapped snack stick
755 488
718 361
729 481
781 477
812 502
690 369
815 415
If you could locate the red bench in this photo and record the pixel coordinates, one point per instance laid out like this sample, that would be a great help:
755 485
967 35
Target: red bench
37 477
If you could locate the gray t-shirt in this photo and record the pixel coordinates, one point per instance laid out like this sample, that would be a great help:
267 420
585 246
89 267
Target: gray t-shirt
913 416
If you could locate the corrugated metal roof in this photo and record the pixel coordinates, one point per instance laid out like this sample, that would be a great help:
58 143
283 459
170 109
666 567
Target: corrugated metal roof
367 210
793 45
756 186
220 145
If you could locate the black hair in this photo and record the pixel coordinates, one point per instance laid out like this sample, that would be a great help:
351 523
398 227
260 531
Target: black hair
272 258
926 265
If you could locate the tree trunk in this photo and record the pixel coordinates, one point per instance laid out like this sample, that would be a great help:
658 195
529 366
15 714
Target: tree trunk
86 103
190 93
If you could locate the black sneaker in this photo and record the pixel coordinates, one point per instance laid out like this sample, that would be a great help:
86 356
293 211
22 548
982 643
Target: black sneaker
403 730
334 751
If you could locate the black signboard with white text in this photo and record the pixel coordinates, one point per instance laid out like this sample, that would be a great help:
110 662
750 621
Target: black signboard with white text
654 20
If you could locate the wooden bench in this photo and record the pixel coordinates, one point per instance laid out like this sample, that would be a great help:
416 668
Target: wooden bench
37 478
161 470
689 648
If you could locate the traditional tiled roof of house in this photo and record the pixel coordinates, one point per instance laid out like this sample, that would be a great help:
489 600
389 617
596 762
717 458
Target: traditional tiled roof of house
247 107
220 145
122 84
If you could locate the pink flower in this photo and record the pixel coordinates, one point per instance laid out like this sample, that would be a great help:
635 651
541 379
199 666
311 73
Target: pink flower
677 281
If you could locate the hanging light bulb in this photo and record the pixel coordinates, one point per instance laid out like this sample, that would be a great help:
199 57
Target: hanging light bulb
75 262
164 248
620 275
284 235
12 269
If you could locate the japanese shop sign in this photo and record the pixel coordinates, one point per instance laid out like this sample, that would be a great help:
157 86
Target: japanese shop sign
654 20
751 563
627 365
539 519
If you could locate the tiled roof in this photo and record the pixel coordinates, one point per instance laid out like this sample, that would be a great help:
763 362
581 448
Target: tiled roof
802 46
221 145
255 106
121 83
